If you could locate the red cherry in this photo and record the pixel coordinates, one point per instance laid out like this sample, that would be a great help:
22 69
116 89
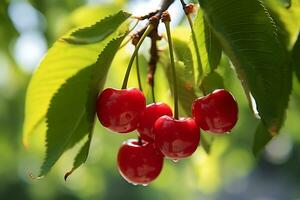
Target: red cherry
176 138
216 112
149 116
139 162
120 110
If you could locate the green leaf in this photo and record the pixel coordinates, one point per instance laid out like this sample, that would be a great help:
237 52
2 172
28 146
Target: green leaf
62 62
208 44
185 86
295 57
98 31
183 52
184 70
81 157
89 14
211 82
186 92
71 113
287 19
248 36
261 138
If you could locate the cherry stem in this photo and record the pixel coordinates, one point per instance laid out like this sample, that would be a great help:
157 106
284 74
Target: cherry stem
125 43
195 43
134 26
146 33
138 72
140 141
153 93
203 90
130 38
167 25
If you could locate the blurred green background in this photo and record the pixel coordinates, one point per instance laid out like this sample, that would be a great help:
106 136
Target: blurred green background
229 172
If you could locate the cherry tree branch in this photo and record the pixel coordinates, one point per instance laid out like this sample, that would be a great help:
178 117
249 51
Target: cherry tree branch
165 4
153 17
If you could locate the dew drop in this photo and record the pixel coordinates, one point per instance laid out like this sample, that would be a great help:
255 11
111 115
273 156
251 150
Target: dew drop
175 160
144 185
135 184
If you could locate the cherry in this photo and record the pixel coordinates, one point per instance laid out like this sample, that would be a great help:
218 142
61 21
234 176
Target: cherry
120 110
149 116
139 162
176 138
216 112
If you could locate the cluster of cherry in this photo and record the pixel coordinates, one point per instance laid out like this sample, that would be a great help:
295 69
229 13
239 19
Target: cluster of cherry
161 135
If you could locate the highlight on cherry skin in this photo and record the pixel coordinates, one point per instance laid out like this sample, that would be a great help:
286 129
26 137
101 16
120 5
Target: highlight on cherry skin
139 162
217 112
176 138
151 113
120 109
